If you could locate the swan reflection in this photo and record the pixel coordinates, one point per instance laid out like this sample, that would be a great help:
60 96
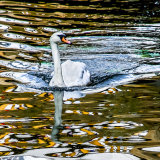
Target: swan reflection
59 96
58 100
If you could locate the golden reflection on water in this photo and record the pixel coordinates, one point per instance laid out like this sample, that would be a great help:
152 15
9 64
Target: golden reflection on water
118 120
100 123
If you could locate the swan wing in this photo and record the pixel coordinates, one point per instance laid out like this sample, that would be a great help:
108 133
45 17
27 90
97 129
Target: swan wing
75 73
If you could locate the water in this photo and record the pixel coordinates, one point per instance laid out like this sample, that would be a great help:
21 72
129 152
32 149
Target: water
116 116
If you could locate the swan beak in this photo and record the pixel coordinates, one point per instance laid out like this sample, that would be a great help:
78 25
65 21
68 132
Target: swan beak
65 40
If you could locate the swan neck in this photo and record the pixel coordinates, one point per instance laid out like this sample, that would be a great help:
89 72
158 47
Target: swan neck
55 52
58 78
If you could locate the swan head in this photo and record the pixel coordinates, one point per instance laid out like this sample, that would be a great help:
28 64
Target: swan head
59 37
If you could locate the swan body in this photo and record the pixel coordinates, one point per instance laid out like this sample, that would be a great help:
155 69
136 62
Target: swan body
69 73
74 74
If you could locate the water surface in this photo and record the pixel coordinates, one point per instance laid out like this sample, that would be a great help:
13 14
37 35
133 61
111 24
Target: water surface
117 115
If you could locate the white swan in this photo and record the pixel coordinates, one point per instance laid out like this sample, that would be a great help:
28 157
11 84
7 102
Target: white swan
69 73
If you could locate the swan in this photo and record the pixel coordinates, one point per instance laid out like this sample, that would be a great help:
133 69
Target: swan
69 73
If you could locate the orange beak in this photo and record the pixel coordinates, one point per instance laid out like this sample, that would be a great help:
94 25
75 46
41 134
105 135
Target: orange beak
65 40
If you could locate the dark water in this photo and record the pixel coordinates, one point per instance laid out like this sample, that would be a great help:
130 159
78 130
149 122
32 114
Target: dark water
119 43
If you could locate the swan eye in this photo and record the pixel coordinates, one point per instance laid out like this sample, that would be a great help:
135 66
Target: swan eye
61 36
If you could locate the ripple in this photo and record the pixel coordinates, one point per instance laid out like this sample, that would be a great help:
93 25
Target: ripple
30 30
21 65
3 27
49 29
14 36
21 46
152 149
14 120
12 20
111 41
